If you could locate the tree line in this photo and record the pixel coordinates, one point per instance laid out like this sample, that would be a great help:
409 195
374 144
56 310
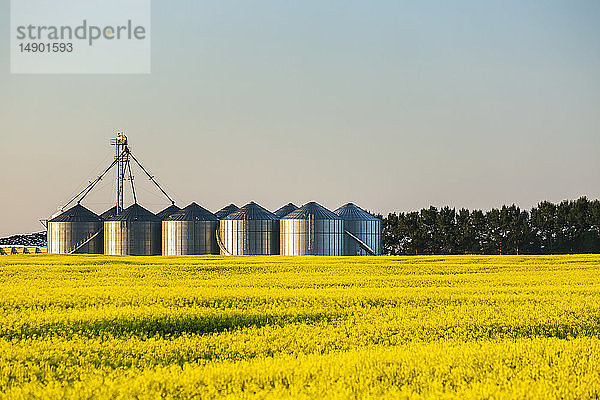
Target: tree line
564 228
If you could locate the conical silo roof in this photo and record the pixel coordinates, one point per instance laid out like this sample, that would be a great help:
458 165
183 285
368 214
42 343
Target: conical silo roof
352 212
252 211
193 212
111 212
312 210
285 210
167 212
77 213
225 211
135 212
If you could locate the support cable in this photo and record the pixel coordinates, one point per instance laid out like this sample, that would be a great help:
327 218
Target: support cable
131 179
126 152
91 185
150 176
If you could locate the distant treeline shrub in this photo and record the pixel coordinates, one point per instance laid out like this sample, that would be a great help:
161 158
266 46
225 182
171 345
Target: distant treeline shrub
565 228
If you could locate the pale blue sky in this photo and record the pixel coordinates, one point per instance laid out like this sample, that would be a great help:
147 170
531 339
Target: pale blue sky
392 105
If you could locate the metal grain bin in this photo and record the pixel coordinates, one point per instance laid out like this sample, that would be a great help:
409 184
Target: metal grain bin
75 231
285 210
135 231
362 231
252 230
225 211
190 231
312 230
167 212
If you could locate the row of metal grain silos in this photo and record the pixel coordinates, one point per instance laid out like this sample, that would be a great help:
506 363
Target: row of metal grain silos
250 230
135 231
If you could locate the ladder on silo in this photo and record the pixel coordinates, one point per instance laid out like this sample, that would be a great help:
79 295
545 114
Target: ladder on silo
85 241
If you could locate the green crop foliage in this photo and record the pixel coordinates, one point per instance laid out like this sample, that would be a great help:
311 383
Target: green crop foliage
456 327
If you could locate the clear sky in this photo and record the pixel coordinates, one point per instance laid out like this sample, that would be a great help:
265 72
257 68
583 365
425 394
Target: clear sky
393 105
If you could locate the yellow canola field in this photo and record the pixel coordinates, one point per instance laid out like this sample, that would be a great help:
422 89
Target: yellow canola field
300 327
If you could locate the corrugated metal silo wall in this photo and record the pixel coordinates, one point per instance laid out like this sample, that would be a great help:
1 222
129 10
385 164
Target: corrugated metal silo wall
135 238
189 237
301 237
250 237
63 237
369 231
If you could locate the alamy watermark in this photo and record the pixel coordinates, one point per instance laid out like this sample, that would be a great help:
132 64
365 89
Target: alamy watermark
74 36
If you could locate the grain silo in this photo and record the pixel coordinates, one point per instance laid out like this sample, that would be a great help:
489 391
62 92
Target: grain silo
362 231
285 210
251 230
77 230
167 212
225 211
135 231
190 231
312 230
